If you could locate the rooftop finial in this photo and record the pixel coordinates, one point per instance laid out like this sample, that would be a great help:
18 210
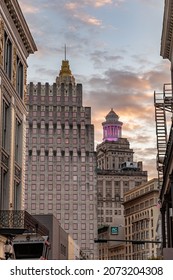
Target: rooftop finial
65 50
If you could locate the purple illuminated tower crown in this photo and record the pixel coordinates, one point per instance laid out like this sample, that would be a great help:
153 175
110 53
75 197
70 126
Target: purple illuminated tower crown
112 127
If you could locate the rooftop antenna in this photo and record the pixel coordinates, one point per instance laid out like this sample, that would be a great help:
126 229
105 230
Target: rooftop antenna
65 50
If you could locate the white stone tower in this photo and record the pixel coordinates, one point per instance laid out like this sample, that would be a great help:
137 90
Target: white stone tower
112 127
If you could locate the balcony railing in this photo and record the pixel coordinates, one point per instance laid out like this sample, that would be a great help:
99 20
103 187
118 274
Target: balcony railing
18 221
120 172
12 219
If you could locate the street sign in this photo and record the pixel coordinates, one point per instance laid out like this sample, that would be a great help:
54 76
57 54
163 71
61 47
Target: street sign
114 230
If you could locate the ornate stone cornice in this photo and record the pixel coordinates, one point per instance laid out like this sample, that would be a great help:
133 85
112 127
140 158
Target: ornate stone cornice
167 31
21 25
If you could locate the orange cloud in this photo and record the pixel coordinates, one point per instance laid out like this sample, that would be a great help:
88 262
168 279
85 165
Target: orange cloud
100 3
72 6
96 4
28 9
88 19
78 6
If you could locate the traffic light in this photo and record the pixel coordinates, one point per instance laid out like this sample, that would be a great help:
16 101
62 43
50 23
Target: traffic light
100 240
138 242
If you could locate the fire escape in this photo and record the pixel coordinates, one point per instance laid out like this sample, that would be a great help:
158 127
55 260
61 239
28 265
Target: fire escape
163 103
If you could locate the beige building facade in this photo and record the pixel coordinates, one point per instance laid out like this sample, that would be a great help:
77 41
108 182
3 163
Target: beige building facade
114 248
58 237
73 249
16 44
141 211
61 161
117 173
163 113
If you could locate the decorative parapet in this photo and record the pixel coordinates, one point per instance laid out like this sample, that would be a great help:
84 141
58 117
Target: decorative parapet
21 25
120 172
167 30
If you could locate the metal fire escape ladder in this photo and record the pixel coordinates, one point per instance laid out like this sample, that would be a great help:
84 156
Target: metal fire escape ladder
163 103
161 132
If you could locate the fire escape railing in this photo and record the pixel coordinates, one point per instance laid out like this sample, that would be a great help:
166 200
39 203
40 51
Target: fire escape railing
163 103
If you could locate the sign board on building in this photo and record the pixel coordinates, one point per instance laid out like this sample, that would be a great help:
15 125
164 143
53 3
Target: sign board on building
114 230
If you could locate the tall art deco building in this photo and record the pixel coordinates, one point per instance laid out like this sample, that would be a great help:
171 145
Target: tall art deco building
117 173
61 161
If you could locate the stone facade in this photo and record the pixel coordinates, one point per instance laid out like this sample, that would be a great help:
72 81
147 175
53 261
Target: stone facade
117 173
61 161
166 192
141 210
58 238
16 44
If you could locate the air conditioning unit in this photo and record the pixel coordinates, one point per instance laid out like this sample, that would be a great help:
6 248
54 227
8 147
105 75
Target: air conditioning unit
129 165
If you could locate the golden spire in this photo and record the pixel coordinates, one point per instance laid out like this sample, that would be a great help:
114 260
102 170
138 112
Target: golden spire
65 67
65 51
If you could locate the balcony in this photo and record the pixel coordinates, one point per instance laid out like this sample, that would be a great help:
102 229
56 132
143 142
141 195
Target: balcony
17 172
14 222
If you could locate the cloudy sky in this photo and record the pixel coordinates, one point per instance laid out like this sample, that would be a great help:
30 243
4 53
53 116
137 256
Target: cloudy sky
113 47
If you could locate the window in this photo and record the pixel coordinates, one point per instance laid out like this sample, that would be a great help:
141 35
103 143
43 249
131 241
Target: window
7 55
19 78
16 196
33 206
3 188
50 206
4 125
63 250
34 108
18 139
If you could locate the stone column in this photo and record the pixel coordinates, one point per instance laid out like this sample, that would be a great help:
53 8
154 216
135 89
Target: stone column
162 210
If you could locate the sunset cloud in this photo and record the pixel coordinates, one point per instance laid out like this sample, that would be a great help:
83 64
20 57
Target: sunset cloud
113 51
88 19
78 11
29 9
72 5
97 4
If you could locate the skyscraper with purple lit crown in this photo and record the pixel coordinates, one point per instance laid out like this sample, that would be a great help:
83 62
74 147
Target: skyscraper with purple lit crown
116 174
